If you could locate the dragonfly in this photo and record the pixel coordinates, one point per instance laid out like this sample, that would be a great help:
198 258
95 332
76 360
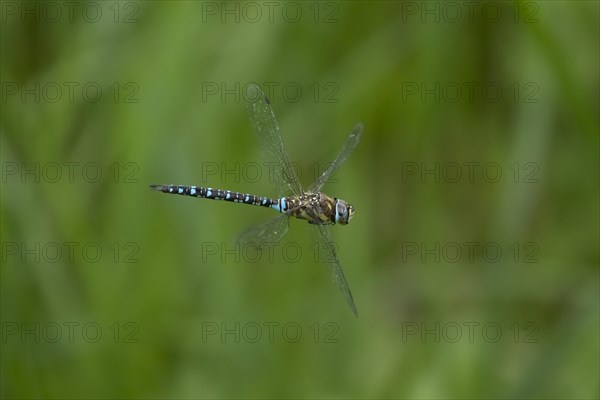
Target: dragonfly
312 205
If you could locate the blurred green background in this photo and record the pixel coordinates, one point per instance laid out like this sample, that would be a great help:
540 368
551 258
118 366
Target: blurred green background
469 284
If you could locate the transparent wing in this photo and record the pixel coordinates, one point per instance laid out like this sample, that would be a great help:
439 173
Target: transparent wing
267 129
328 255
266 232
349 145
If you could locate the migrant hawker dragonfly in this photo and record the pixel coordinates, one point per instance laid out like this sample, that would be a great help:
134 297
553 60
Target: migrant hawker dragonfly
311 205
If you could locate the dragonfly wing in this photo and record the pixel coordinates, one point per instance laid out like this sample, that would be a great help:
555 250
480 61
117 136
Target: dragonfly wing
267 129
328 254
349 145
270 231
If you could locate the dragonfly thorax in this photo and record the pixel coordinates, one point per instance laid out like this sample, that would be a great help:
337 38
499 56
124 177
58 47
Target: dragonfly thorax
318 208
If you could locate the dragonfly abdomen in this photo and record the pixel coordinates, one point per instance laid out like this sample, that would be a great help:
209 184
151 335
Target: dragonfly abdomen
217 194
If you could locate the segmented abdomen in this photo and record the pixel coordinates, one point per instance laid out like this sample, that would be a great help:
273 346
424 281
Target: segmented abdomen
217 194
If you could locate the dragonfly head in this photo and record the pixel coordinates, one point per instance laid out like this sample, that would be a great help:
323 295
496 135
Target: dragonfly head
343 212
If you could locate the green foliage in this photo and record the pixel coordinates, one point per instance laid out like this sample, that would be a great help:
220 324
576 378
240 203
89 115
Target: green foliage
473 256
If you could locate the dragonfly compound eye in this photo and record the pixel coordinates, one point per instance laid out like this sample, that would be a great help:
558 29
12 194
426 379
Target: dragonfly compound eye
343 212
